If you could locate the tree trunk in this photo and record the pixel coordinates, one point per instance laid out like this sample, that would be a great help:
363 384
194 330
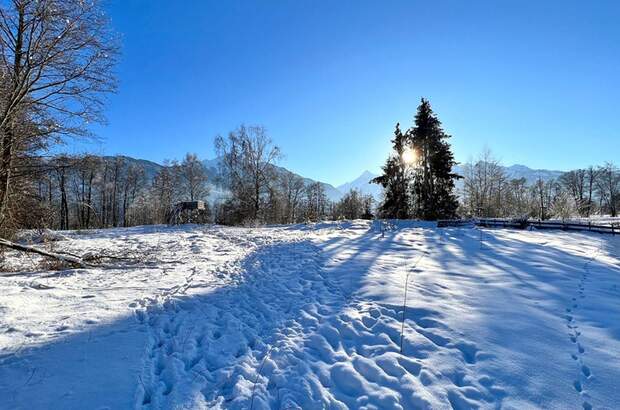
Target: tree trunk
89 199
5 172
8 139
125 199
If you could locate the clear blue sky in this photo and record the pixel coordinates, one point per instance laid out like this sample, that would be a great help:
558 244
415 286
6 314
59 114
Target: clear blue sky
538 82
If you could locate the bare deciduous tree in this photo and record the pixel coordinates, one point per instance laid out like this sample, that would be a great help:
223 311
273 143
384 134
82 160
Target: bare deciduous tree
564 206
193 176
292 187
164 189
133 181
484 182
354 205
316 202
591 177
608 184
248 157
574 182
56 60
86 169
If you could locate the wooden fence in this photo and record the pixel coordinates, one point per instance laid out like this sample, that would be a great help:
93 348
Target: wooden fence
443 223
612 228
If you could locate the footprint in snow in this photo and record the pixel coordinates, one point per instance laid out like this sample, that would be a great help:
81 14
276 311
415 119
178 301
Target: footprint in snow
586 371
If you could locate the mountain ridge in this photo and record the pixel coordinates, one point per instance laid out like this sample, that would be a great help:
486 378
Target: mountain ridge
531 175
334 193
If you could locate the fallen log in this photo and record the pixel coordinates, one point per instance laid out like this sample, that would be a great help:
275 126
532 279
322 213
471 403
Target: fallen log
70 259
85 261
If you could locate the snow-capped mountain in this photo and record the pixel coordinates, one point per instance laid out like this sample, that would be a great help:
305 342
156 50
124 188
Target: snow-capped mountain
332 193
362 183
519 171
531 175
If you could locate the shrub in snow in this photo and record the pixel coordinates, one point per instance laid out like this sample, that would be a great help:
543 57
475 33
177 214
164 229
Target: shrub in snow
564 207
40 236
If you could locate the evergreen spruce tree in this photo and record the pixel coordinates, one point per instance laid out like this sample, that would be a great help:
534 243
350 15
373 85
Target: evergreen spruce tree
433 182
395 181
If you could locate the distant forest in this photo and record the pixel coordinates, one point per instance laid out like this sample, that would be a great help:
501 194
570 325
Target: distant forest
489 192
57 62
88 191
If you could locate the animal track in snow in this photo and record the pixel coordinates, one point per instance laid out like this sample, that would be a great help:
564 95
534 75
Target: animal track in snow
584 374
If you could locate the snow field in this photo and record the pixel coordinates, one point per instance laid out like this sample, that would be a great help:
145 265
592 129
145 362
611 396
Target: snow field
311 317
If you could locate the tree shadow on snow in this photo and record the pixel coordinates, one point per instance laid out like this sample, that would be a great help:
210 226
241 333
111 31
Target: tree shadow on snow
255 341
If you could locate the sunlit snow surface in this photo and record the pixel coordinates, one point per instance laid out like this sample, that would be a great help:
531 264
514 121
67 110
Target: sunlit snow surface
309 317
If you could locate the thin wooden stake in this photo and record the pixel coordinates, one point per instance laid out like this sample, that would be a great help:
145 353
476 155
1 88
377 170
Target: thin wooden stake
402 328
260 369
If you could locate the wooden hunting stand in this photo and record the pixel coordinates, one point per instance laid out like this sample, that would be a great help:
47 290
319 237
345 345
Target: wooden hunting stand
187 212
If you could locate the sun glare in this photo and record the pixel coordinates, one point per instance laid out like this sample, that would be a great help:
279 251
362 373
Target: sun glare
410 156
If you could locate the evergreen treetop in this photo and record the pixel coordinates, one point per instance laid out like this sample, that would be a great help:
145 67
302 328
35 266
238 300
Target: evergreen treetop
423 189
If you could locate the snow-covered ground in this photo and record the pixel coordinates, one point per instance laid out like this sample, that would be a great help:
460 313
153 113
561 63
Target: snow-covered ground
310 317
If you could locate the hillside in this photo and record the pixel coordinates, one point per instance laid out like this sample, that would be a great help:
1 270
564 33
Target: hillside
361 183
521 171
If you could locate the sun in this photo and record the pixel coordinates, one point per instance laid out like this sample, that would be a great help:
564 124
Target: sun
410 156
